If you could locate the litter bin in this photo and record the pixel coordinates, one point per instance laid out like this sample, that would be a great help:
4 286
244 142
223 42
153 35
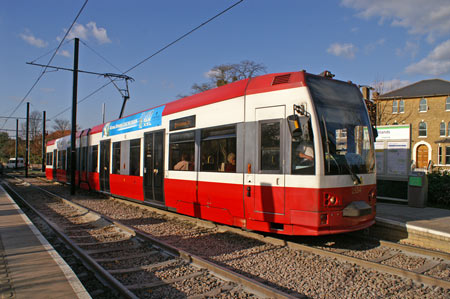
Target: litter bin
417 189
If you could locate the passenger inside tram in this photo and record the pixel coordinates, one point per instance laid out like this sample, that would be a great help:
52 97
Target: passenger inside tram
230 166
183 164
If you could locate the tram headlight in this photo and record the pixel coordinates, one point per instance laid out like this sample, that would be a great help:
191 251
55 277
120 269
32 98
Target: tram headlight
330 200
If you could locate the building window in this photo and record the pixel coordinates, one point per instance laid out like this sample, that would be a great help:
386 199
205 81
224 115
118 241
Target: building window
447 155
135 157
181 151
422 129
423 105
395 106
116 158
401 106
218 149
448 129
439 155
447 104
442 129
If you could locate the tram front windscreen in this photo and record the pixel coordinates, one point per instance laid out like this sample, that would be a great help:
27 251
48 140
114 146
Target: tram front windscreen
344 126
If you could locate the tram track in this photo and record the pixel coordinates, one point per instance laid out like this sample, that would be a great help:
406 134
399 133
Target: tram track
135 264
381 257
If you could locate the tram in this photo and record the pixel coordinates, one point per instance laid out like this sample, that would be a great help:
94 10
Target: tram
287 153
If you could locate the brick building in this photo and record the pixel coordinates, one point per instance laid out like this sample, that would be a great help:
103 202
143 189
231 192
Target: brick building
426 106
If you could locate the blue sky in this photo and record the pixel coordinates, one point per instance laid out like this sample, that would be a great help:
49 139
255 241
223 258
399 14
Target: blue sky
368 42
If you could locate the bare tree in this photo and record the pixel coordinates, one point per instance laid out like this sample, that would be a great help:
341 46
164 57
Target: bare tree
61 125
226 73
202 87
384 113
34 125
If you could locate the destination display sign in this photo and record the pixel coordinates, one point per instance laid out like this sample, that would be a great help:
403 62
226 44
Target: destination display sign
139 121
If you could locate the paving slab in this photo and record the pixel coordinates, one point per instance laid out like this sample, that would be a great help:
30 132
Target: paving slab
30 267
428 227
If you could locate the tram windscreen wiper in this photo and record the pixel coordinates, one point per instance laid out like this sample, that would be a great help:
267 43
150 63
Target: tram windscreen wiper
355 178
327 140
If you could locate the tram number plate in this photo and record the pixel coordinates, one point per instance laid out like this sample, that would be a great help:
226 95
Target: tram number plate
356 189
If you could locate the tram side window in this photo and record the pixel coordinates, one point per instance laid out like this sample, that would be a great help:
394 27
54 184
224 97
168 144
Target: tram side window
270 146
64 158
116 158
83 158
49 159
303 151
135 156
218 149
60 159
94 158
181 151
77 167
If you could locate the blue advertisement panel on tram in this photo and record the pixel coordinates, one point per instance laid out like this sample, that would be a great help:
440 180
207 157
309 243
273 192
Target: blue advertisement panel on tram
139 121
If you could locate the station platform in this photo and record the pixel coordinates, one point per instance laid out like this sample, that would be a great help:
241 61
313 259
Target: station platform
426 227
29 266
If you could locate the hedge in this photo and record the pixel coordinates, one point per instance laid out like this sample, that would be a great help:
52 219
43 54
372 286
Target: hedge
439 189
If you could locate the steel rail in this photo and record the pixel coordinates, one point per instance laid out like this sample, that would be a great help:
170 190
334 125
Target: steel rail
416 250
429 280
421 278
89 262
248 284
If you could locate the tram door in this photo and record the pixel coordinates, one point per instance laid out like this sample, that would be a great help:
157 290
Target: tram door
105 156
269 180
154 167
55 160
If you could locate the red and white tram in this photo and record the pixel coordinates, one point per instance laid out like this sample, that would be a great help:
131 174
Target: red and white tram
288 153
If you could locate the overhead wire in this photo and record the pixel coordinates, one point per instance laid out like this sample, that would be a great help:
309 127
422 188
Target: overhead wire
99 55
51 51
157 52
51 59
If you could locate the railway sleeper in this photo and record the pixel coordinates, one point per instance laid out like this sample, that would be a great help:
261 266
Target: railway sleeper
127 238
144 268
226 288
430 264
106 235
106 250
386 256
126 257
163 282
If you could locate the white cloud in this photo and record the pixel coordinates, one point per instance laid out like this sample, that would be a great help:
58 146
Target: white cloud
345 50
393 84
32 40
373 45
436 63
86 32
98 33
212 73
410 48
429 17
64 53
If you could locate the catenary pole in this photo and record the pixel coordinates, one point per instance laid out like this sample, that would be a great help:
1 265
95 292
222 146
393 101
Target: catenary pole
17 142
73 156
43 142
26 140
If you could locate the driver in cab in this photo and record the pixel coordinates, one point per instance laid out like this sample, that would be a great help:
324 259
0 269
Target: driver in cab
304 157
